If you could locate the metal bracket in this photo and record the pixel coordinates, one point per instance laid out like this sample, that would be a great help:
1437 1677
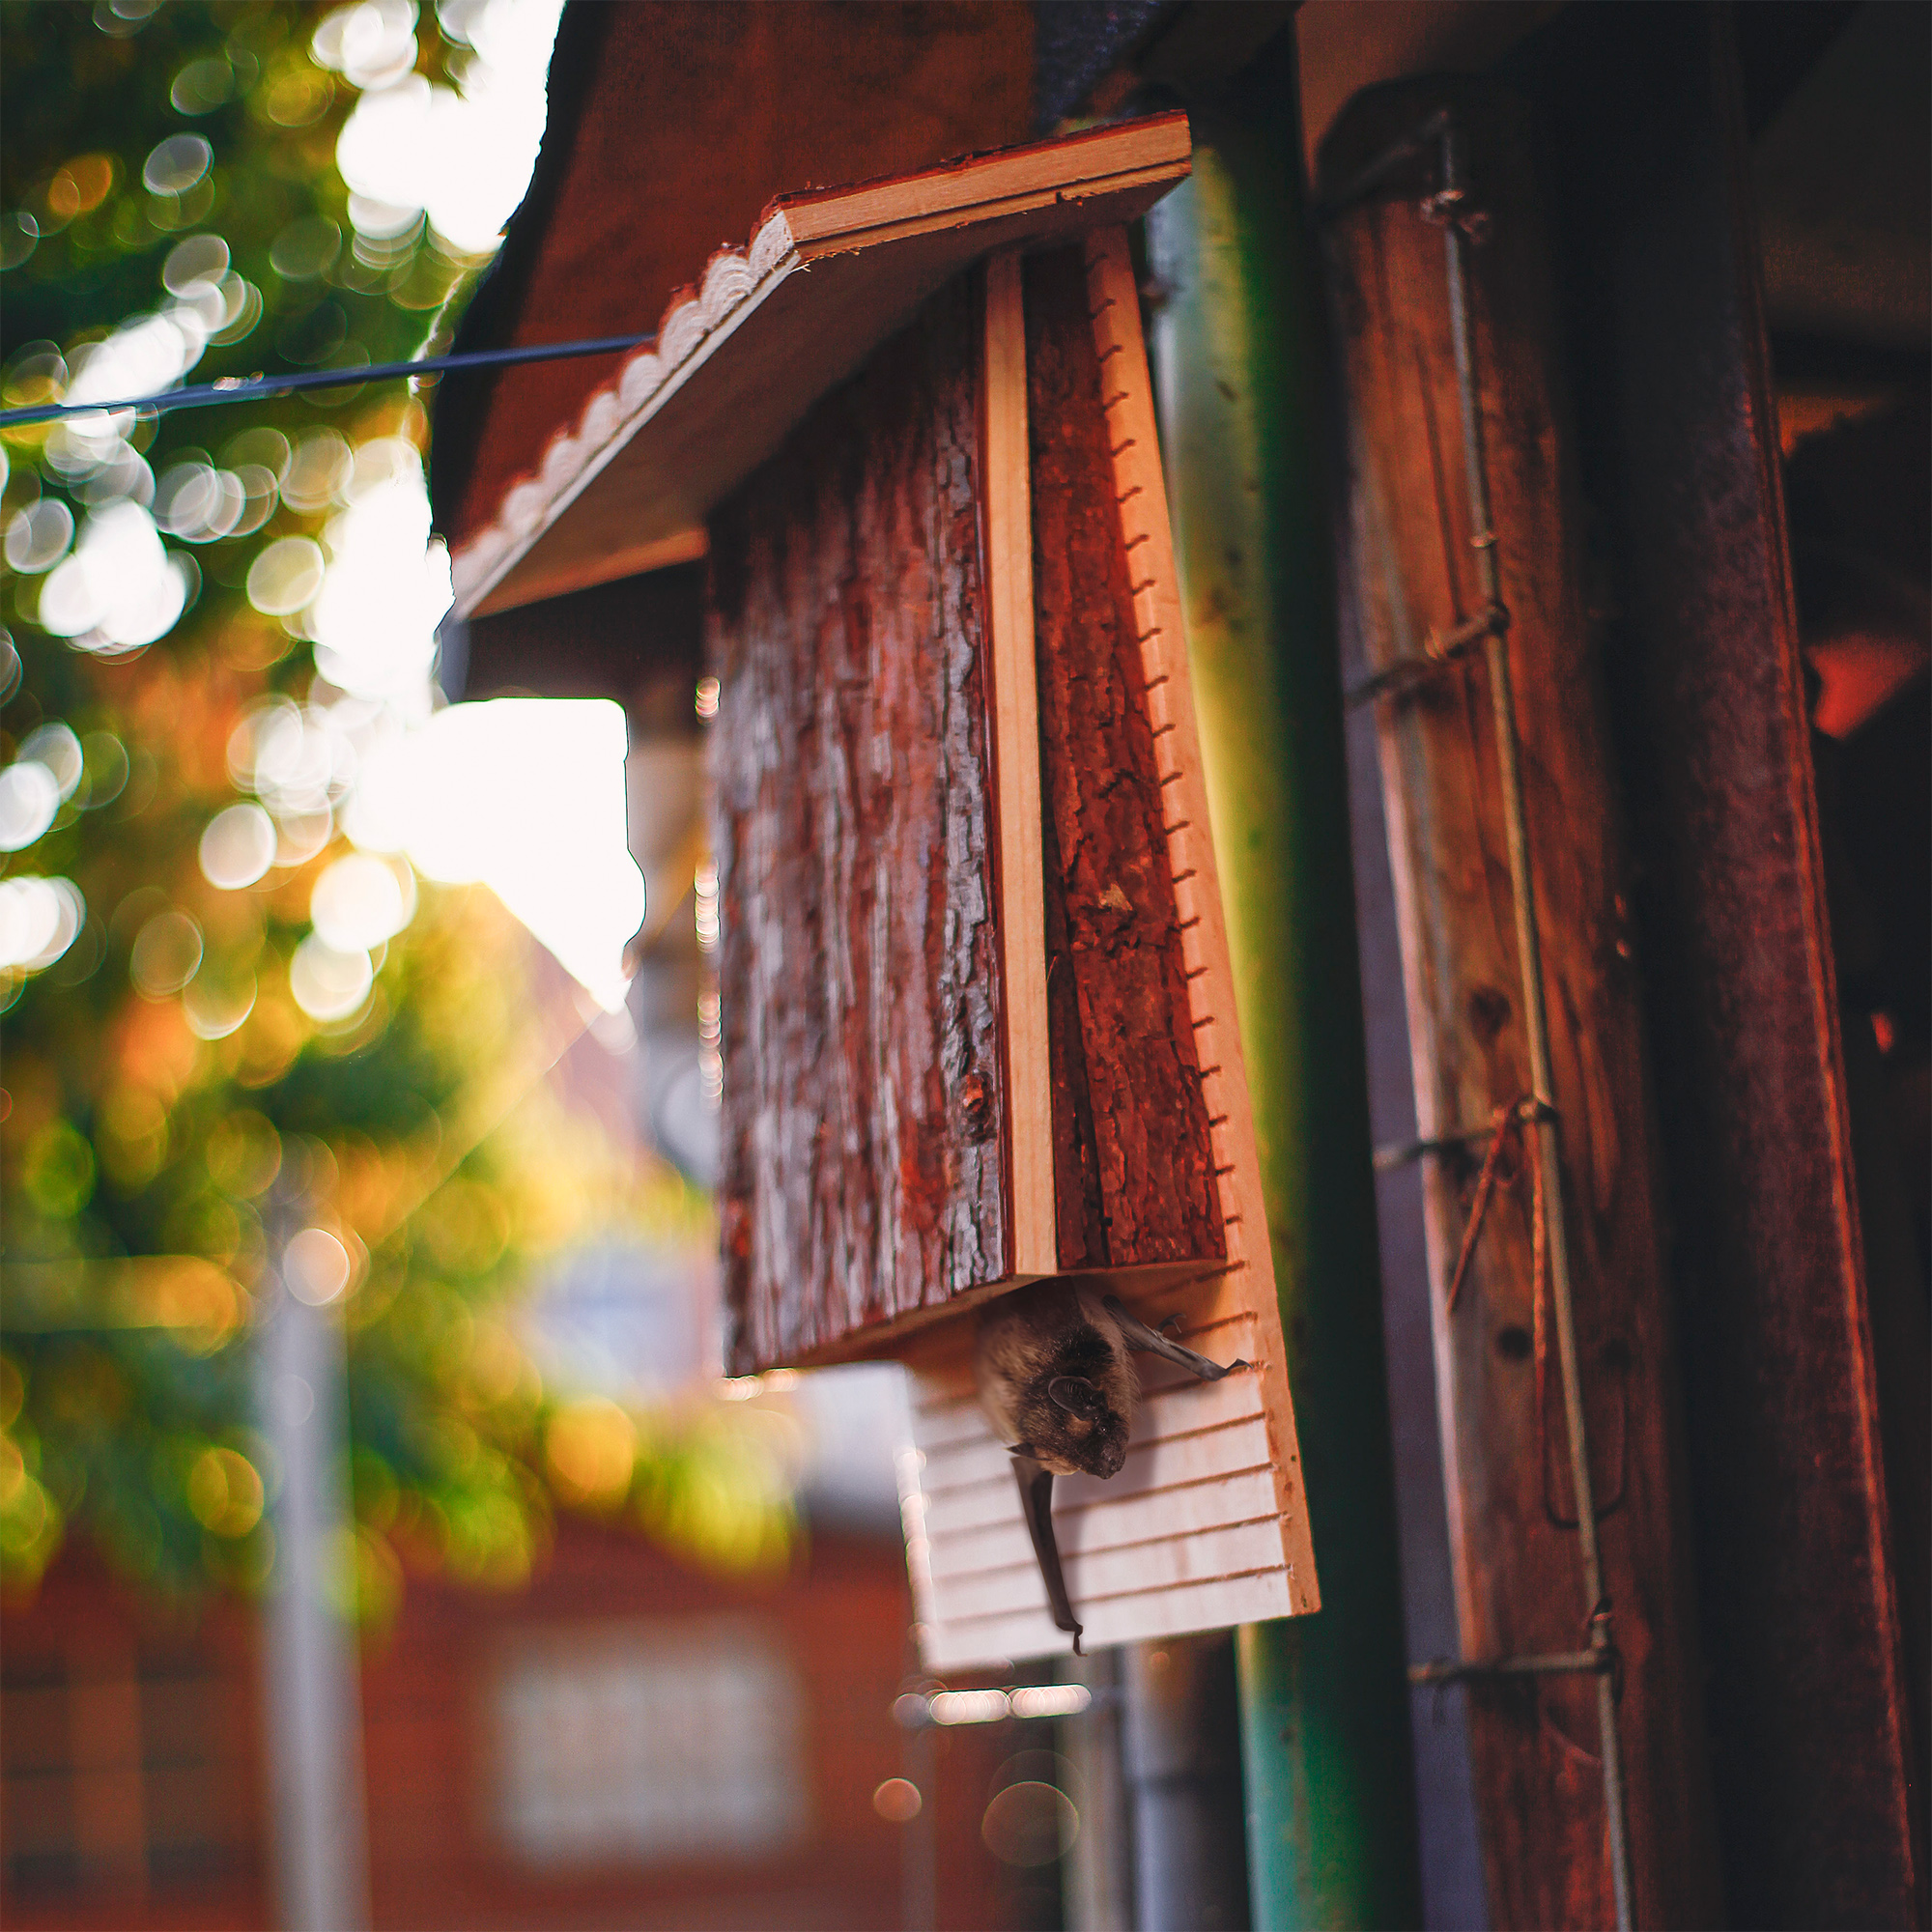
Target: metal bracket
1400 1153
1454 1670
1439 650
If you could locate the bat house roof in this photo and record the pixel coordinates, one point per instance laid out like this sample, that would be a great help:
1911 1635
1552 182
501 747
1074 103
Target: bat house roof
740 358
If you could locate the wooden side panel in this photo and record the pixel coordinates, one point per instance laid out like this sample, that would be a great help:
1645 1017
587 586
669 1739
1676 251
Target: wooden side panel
1207 1525
1539 1785
1129 1105
865 1126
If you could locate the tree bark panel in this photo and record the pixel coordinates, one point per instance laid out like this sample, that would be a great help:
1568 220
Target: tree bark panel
865 1122
1134 1160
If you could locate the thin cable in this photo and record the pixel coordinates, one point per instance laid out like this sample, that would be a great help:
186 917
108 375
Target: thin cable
252 388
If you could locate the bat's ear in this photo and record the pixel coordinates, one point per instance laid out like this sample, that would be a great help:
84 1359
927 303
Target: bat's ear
1077 1396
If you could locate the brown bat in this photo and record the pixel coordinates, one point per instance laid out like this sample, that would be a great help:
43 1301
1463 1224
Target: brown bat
1052 1363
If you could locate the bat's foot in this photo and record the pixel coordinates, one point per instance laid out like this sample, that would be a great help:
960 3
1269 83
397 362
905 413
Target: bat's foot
1154 1342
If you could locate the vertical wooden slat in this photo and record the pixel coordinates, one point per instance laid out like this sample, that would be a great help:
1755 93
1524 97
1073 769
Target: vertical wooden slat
1008 521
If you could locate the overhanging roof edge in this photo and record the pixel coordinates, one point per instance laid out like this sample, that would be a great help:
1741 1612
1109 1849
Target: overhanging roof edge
827 276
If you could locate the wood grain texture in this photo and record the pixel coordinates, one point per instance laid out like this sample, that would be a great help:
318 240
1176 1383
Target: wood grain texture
1152 1159
865 1112
1538 1788
1007 498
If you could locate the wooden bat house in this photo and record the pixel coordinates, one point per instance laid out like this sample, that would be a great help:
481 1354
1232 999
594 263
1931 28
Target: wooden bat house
978 1024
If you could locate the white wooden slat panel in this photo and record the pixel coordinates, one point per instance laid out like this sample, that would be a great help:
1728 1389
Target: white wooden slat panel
1030 1632
1198 1507
1186 1536
1167 1414
955 1420
1093 1575
1228 1451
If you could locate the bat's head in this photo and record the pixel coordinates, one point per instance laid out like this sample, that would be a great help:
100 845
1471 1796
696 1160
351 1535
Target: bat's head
1056 1381
1081 1427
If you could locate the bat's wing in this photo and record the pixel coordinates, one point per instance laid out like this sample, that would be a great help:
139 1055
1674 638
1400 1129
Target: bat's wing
1152 1342
1037 1502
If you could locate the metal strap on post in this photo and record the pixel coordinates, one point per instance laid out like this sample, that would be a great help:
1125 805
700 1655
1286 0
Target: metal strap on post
1450 207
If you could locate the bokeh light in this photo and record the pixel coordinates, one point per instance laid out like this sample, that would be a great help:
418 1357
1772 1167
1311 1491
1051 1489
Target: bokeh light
286 577
166 951
38 920
121 590
244 1152
216 1002
591 1447
462 156
359 901
317 1266
38 536
527 796
55 746
1029 1823
29 798
225 1493
237 847
897 1801
387 586
328 985
177 164
104 763
305 532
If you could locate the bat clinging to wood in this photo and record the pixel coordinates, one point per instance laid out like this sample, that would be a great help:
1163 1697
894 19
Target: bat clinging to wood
1052 1363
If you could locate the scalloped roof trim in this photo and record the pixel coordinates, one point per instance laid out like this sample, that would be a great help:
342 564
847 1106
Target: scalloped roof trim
576 452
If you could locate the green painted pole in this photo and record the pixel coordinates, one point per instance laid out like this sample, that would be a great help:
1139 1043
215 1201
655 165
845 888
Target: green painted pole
1237 362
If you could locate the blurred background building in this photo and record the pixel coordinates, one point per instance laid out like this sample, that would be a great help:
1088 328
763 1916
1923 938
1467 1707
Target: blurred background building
625 1742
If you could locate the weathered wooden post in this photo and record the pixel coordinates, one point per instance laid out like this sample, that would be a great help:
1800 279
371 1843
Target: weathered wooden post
1552 1319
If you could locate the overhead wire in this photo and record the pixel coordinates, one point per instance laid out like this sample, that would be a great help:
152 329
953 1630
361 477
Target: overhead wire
258 387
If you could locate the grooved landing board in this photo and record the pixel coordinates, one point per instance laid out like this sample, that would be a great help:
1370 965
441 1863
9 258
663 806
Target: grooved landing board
1206 1525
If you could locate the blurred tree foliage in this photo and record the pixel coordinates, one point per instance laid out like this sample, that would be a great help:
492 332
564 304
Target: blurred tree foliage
153 1159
